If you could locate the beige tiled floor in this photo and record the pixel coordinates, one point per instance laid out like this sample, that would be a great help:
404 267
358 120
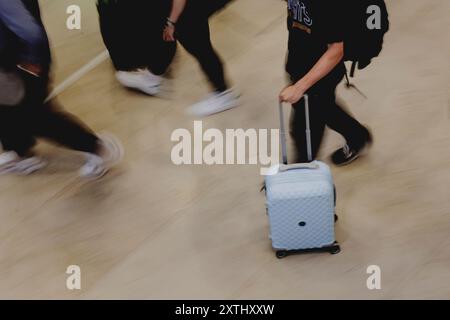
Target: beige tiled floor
154 230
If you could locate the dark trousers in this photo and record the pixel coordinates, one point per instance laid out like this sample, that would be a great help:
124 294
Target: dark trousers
324 112
194 35
21 125
132 32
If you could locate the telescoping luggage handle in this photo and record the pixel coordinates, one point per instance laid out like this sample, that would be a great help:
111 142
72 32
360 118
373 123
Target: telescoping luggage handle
283 137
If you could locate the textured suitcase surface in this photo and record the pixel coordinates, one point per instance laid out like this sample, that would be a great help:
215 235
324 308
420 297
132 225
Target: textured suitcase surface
300 205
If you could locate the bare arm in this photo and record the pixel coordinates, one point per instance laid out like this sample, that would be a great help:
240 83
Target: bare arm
330 59
177 9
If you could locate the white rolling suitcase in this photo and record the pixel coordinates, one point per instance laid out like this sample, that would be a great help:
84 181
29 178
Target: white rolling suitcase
301 200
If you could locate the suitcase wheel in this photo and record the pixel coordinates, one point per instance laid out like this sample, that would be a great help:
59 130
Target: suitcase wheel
335 249
336 218
282 254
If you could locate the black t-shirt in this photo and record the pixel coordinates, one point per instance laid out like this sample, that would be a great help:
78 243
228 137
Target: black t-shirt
313 24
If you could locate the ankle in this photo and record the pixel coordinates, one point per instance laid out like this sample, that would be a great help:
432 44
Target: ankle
221 90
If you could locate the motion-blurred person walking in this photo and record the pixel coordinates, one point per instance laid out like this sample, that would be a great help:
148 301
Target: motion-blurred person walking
188 23
131 31
24 113
315 65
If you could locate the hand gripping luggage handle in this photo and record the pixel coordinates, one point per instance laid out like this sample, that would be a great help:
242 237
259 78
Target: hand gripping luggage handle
308 135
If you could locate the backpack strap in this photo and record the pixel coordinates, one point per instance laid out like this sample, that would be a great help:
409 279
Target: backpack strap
353 69
350 85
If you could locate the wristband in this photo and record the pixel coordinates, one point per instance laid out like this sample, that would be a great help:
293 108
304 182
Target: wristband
170 23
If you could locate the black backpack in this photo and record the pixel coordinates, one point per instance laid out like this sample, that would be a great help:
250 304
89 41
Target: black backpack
367 23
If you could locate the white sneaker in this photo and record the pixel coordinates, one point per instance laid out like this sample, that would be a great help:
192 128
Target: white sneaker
142 80
10 162
215 103
111 154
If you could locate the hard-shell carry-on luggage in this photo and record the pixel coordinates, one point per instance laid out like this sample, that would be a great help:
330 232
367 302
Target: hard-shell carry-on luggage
301 200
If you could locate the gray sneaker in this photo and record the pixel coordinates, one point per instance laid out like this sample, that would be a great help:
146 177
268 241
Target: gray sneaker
142 80
215 103
98 165
11 162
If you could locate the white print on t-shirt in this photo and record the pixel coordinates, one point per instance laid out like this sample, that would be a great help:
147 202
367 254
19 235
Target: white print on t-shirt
299 12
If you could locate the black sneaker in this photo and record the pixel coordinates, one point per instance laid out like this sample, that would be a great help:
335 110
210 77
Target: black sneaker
348 154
